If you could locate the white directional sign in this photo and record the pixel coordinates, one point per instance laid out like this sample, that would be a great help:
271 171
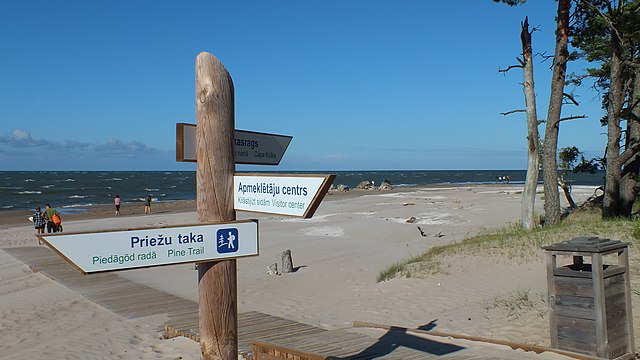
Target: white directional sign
250 147
128 249
282 194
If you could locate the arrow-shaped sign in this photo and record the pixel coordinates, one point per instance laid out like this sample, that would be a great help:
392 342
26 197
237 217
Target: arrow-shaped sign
250 147
282 194
129 249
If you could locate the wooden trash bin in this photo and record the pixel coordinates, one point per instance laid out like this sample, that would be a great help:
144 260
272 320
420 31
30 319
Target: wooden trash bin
590 302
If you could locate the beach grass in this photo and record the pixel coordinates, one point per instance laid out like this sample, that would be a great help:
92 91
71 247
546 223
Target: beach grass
519 301
514 243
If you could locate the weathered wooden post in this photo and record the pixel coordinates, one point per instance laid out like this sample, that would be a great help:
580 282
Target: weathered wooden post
217 280
287 262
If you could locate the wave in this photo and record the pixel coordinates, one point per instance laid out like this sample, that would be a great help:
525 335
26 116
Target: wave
145 199
73 188
78 205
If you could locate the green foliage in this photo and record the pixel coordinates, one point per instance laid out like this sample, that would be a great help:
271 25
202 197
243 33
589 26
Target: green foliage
568 157
593 24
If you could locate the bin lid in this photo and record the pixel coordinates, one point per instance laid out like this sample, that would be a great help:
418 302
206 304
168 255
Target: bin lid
587 244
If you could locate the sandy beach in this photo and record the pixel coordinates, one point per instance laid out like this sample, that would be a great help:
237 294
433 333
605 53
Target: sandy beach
338 255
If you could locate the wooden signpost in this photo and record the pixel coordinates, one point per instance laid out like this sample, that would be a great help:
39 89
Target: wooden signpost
218 239
216 153
217 280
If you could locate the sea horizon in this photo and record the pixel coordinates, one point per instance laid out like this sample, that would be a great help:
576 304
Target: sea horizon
76 191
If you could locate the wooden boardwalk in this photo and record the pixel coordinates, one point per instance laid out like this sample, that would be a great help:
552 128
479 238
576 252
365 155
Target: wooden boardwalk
133 300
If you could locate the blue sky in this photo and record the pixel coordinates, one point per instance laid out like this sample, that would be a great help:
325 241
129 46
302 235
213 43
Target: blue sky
360 85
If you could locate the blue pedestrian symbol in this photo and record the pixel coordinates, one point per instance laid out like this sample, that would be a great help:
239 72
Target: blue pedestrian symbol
227 240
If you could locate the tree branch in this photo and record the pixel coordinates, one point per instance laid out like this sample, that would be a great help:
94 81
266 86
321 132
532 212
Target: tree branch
513 111
570 97
631 64
633 106
629 153
544 56
509 68
574 117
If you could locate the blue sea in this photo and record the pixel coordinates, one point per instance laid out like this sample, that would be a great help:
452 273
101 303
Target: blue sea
76 191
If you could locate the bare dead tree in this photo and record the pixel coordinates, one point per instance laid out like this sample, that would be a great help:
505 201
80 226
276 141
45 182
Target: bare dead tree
528 220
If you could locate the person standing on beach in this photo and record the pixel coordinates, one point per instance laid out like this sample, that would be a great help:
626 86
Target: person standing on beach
38 221
49 212
147 205
117 202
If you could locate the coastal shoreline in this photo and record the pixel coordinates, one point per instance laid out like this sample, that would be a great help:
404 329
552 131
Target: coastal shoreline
12 218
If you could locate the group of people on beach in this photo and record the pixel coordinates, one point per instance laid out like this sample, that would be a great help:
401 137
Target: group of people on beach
117 201
505 179
49 218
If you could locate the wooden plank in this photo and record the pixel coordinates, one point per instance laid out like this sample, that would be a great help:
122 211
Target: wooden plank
623 261
586 246
551 266
573 286
577 323
565 271
577 339
617 347
615 303
574 346
599 305
574 306
616 279
264 350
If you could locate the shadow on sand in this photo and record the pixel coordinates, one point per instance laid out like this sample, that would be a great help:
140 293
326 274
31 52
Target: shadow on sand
397 337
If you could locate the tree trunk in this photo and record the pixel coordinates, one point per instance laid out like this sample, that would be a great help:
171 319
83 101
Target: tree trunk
567 192
629 183
613 174
528 220
550 145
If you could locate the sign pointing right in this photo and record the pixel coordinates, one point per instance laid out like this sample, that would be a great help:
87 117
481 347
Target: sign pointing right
282 194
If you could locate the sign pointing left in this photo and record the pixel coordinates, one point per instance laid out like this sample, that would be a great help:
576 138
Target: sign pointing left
250 147
129 249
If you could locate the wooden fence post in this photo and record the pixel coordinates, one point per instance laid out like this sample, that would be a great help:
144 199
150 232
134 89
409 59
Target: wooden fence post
217 280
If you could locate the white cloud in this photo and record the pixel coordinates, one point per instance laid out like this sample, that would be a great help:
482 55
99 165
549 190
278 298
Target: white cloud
21 138
24 151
